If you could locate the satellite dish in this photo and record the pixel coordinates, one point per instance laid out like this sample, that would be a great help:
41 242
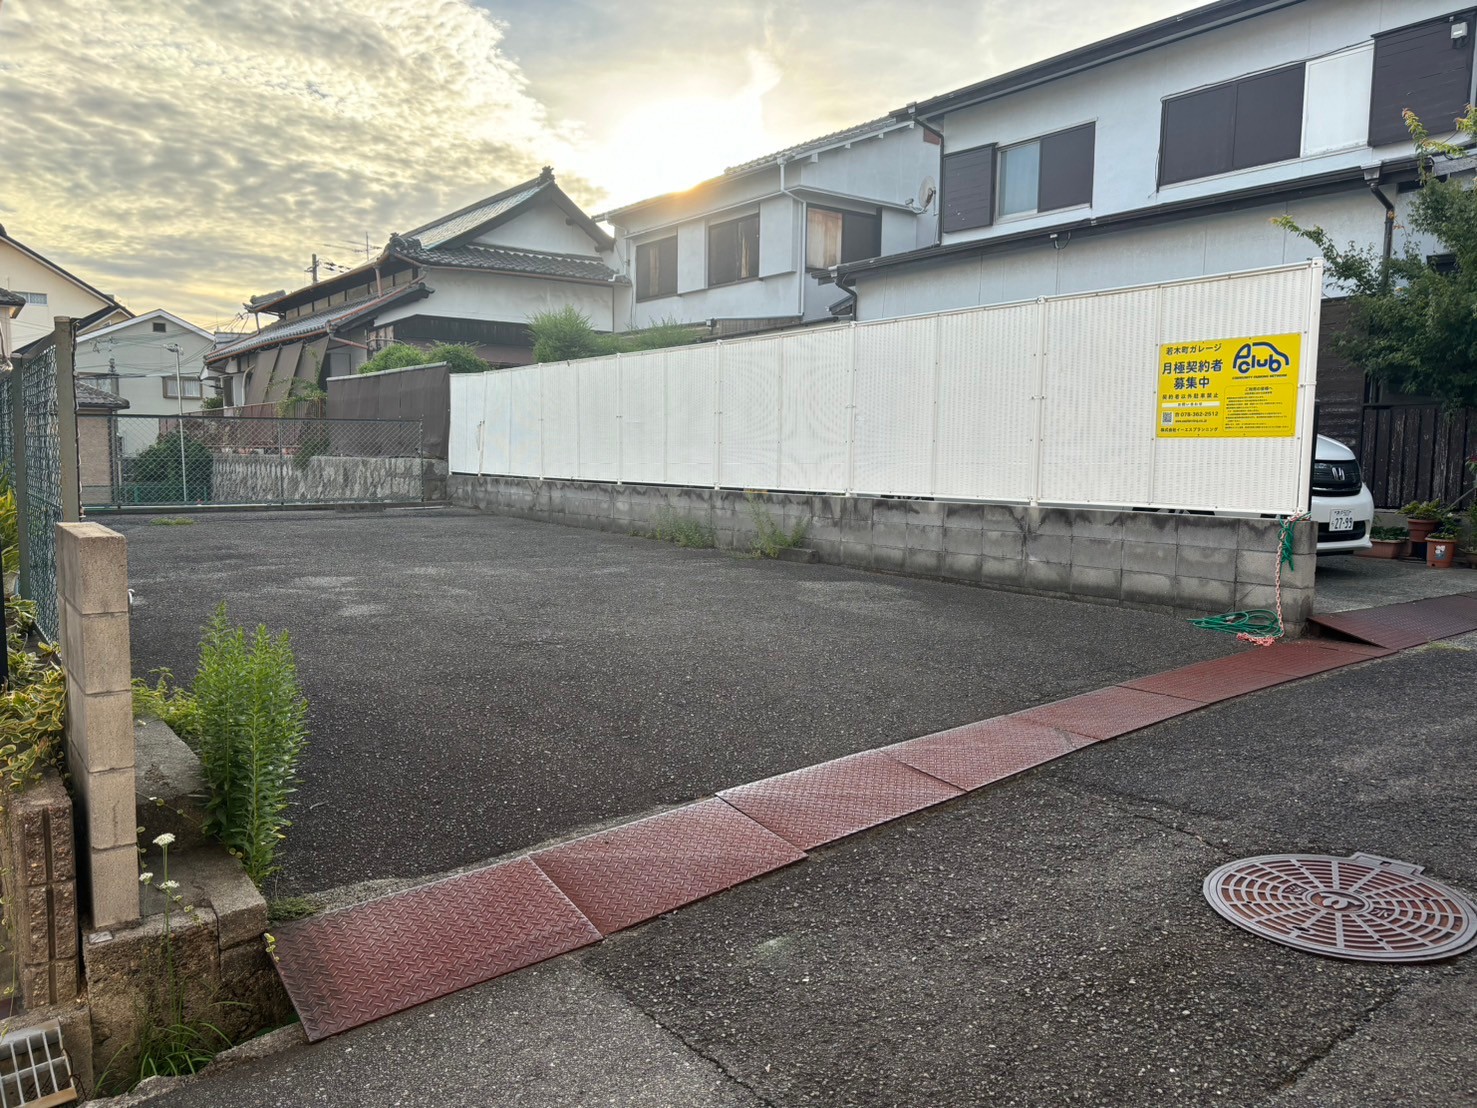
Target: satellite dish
927 193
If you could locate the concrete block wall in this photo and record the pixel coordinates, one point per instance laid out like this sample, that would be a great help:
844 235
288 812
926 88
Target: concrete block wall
92 599
40 871
1190 565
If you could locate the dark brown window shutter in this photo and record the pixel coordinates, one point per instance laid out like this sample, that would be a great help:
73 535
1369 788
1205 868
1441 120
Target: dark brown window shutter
1197 134
1269 118
1423 69
1066 168
968 180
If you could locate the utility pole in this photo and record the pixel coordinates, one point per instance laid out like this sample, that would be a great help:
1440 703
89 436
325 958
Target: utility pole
313 269
179 399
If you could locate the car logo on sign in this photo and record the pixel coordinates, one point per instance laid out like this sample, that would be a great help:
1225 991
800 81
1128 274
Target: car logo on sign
1260 355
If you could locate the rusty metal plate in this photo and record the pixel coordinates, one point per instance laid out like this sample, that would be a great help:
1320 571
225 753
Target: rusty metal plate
1400 626
635 872
976 754
1108 713
1306 658
1215 680
362 963
823 803
1364 908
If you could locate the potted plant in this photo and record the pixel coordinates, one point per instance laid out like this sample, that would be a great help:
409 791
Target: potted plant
1387 542
1423 517
1441 545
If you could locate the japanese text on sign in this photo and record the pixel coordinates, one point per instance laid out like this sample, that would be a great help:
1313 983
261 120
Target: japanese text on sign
1229 388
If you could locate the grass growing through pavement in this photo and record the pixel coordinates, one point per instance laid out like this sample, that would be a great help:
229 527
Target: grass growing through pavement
772 537
683 531
171 521
283 908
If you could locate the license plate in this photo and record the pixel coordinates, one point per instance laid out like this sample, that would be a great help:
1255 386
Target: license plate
1342 519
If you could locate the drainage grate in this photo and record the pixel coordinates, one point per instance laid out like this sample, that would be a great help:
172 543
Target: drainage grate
34 1069
1365 907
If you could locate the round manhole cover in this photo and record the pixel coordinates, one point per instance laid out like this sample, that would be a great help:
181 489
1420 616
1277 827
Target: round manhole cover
1365 907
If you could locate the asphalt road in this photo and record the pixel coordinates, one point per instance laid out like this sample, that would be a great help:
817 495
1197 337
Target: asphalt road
480 684
1040 942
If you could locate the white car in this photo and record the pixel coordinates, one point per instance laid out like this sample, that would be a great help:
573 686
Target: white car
1341 504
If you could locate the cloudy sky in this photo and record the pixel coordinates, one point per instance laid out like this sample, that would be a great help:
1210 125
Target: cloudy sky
190 153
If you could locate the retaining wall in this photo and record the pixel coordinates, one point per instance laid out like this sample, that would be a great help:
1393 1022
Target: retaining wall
267 479
1190 565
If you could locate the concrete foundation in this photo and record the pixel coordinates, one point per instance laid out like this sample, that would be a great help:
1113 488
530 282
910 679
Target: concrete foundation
1190 565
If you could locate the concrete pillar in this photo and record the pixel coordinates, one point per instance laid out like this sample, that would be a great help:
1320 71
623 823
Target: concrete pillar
92 602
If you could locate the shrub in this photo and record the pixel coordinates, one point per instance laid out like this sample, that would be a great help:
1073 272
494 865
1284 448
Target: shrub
458 358
159 464
564 334
172 703
251 715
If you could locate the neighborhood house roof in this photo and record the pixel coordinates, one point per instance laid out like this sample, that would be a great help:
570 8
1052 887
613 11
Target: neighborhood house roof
475 215
508 259
10 299
89 396
318 323
51 265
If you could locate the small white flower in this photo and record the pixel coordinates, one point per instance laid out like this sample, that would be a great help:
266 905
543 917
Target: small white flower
169 884
145 877
164 839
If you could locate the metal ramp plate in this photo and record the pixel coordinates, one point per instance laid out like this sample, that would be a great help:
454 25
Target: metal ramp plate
361 963
636 872
1308 657
1108 713
1399 626
834 799
976 754
1212 681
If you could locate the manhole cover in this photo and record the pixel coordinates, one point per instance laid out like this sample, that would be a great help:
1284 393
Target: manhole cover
1366 907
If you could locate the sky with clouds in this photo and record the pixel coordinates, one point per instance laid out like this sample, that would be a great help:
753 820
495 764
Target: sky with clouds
190 153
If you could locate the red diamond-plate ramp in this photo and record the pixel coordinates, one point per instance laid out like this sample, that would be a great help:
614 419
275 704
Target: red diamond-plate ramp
1211 681
1108 713
829 801
1400 626
1308 657
635 872
362 963
976 754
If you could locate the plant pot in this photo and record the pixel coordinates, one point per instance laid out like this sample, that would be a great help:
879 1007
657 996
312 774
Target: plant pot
1420 528
1384 548
1440 553
1469 557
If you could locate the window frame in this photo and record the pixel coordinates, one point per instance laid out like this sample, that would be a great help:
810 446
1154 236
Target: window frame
1001 153
185 382
159 327
738 253
847 214
1234 85
656 244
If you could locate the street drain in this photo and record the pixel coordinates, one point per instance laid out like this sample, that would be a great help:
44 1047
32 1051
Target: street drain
1367 908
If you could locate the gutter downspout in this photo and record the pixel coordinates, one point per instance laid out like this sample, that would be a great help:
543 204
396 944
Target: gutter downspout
797 244
849 290
1389 231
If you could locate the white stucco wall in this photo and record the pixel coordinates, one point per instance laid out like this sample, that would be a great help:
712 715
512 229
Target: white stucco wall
544 228
1124 98
21 273
469 294
137 353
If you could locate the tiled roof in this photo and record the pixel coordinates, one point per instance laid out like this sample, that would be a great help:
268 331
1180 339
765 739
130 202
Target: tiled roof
10 299
289 330
476 255
468 218
89 396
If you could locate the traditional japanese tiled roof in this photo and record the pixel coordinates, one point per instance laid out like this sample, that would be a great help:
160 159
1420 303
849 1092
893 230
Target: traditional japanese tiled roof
506 259
89 396
473 216
10 299
319 323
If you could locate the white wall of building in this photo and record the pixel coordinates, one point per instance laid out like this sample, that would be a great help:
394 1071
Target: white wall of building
137 354
21 273
545 228
471 294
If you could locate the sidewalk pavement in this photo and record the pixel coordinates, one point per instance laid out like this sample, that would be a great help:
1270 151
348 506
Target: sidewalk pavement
1041 941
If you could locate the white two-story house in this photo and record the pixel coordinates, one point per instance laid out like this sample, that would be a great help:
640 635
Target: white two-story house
1167 151
752 249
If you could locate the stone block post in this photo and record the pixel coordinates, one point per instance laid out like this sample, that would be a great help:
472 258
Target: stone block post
92 602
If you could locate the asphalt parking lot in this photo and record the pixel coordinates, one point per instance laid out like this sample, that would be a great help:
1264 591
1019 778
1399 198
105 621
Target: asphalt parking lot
479 684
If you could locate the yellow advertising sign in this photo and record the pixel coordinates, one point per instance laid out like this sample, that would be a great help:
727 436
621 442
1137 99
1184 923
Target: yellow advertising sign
1229 388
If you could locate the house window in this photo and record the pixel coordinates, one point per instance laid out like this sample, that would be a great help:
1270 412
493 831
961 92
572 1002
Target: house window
968 189
34 297
656 268
1054 171
833 236
190 385
1253 121
1020 178
1423 68
733 250
159 327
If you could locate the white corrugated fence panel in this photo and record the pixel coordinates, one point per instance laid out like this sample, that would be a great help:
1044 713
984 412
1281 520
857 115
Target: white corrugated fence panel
691 421
525 421
815 410
749 399
465 433
497 423
1101 399
1240 474
989 376
599 410
561 420
893 428
643 418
